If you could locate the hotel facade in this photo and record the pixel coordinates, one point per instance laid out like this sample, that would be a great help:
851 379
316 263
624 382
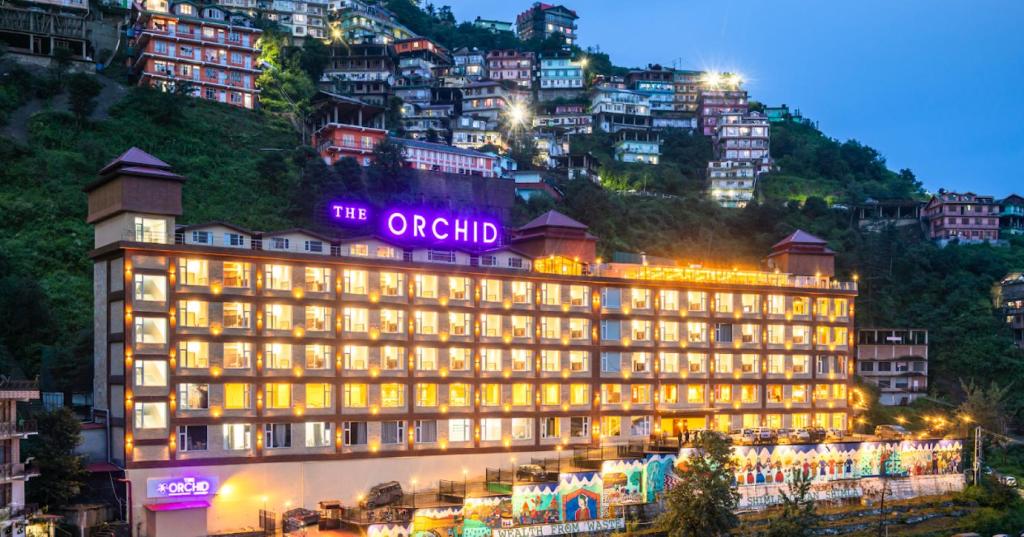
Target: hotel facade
290 367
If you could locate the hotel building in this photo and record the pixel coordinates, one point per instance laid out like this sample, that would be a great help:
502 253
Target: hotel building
206 46
896 361
289 367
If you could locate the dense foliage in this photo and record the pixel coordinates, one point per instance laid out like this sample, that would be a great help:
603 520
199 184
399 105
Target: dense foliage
703 501
62 474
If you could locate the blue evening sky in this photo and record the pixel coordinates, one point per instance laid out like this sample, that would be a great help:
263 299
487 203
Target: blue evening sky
934 85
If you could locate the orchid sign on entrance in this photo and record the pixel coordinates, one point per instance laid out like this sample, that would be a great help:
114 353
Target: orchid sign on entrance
423 226
180 487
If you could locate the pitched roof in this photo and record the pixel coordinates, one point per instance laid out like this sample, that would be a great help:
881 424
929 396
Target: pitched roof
553 219
134 162
135 157
433 146
799 237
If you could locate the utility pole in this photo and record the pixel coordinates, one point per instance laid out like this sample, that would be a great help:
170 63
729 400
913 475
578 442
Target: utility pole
977 455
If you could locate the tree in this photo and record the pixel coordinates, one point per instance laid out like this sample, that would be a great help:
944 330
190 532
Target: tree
986 407
386 171
523 150
62 473
82 92
313 58
797 517
702 503
62 57
350 175
287 91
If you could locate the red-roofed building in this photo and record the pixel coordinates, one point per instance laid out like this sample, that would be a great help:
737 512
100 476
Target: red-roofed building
543 20
342 126
803 254
553 233
967 217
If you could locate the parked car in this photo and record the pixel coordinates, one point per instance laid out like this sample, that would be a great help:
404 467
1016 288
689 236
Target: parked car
764 435
834 435
531 472
748 436
891 432
799 436
382 494
783 435
818 434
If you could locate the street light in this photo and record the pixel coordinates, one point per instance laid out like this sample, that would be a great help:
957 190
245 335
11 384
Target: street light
517 114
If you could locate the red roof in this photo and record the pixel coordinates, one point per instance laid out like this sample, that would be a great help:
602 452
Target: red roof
799 237
553 219
136 157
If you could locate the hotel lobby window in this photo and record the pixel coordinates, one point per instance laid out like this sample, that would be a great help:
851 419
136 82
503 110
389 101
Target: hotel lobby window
151 373
150 415
150 288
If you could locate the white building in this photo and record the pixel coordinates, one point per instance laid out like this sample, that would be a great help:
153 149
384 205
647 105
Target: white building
731 183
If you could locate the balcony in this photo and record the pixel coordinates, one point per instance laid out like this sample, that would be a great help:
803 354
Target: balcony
18 430
17 472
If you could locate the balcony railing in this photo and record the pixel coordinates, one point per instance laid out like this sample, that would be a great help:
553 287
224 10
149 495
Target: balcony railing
24 428
16 471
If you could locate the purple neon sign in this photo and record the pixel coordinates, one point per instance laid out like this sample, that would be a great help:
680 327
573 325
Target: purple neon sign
176 487
350 212
418 225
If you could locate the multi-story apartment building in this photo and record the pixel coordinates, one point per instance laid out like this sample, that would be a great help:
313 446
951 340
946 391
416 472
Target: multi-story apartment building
513 66
363 71
714 103
203 45
13 472
967 217
563 117
469 132
468 64
419 121
420 58
342 126
430 156
362 23
894 360
559 77
263 366
541 21
494 26
1011 215
489 99
1010 301
688 86
744 138
637 146
657 83
615 108
731 183
34 30
298 18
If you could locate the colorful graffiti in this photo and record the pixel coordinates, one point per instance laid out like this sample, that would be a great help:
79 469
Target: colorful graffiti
439 522
388 530
659 472
580 496
766 465
482 515
622 482
535 504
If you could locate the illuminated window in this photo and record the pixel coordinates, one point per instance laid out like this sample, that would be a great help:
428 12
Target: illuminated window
193 314
579 427
669 362
391 321
150 288
551 394
426 394
695 393
392 284
491 359
355 395
426 322
776 334
776 364
579 329
748 393
150 373
550 294
458 358
459 323
641 362
522 292
822 304
356 357
522 394
318 279
318 434
459 395
611 393
611 425
355 319
193 272
192 396
277 355
237 436
578 361
696 332
801 364
800 420
426 359
801 306
723 302
425 285
359 249
801 334
550 360
490 290
750 333
640 393
278 316
278 277
237 396
490 394
723 393
458 288
839 391
150 415
799 393
579 394
236 274
392 358
640 298
392 395
668 331
318 395
550 327
522 360
668 299
749 364
776 304
460 430
578 295
522 428
490 325
194 354
723 363
278 395
841 307
318 356
522 326
318 318
237 315
696 362
696 301
490 429
668 394
354 281
750 303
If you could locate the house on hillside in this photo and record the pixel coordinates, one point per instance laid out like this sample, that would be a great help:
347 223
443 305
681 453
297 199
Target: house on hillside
966 217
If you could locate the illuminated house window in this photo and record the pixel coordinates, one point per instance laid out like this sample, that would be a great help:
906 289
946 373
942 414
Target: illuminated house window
150 230
522 428
193 272
490 290
359 249
458 358
459 395
356 357
640 298
668 330
355 319
459 324
237 436
776 334
150 288
318 395
237 396
355 281
750 303
696 301
669 362
611 393
640 393
641 362
550 327
491 359
278 395
578 361
318 318
193 396
776 304
522 360
776 364
426 395
277 355
522 326
458 288
522 394
426 285
822 306
550 294
696 362
723 393
278 277
236 274
355 395
696 332
392 395
668 299
748 393
723 363
750 333
392 358
193 314
611 425
641 330
579 328
426 359
551 394
578 295
723 302
749 364
237 315
318 279
801 306
318 356
391 321
550 361
194 354
695 393
801 364
237 355
426 322
392 284
150 415
799 393
522 292
669 394
151 373
490 394
278 317
841 307
579 394
490 429
490 325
